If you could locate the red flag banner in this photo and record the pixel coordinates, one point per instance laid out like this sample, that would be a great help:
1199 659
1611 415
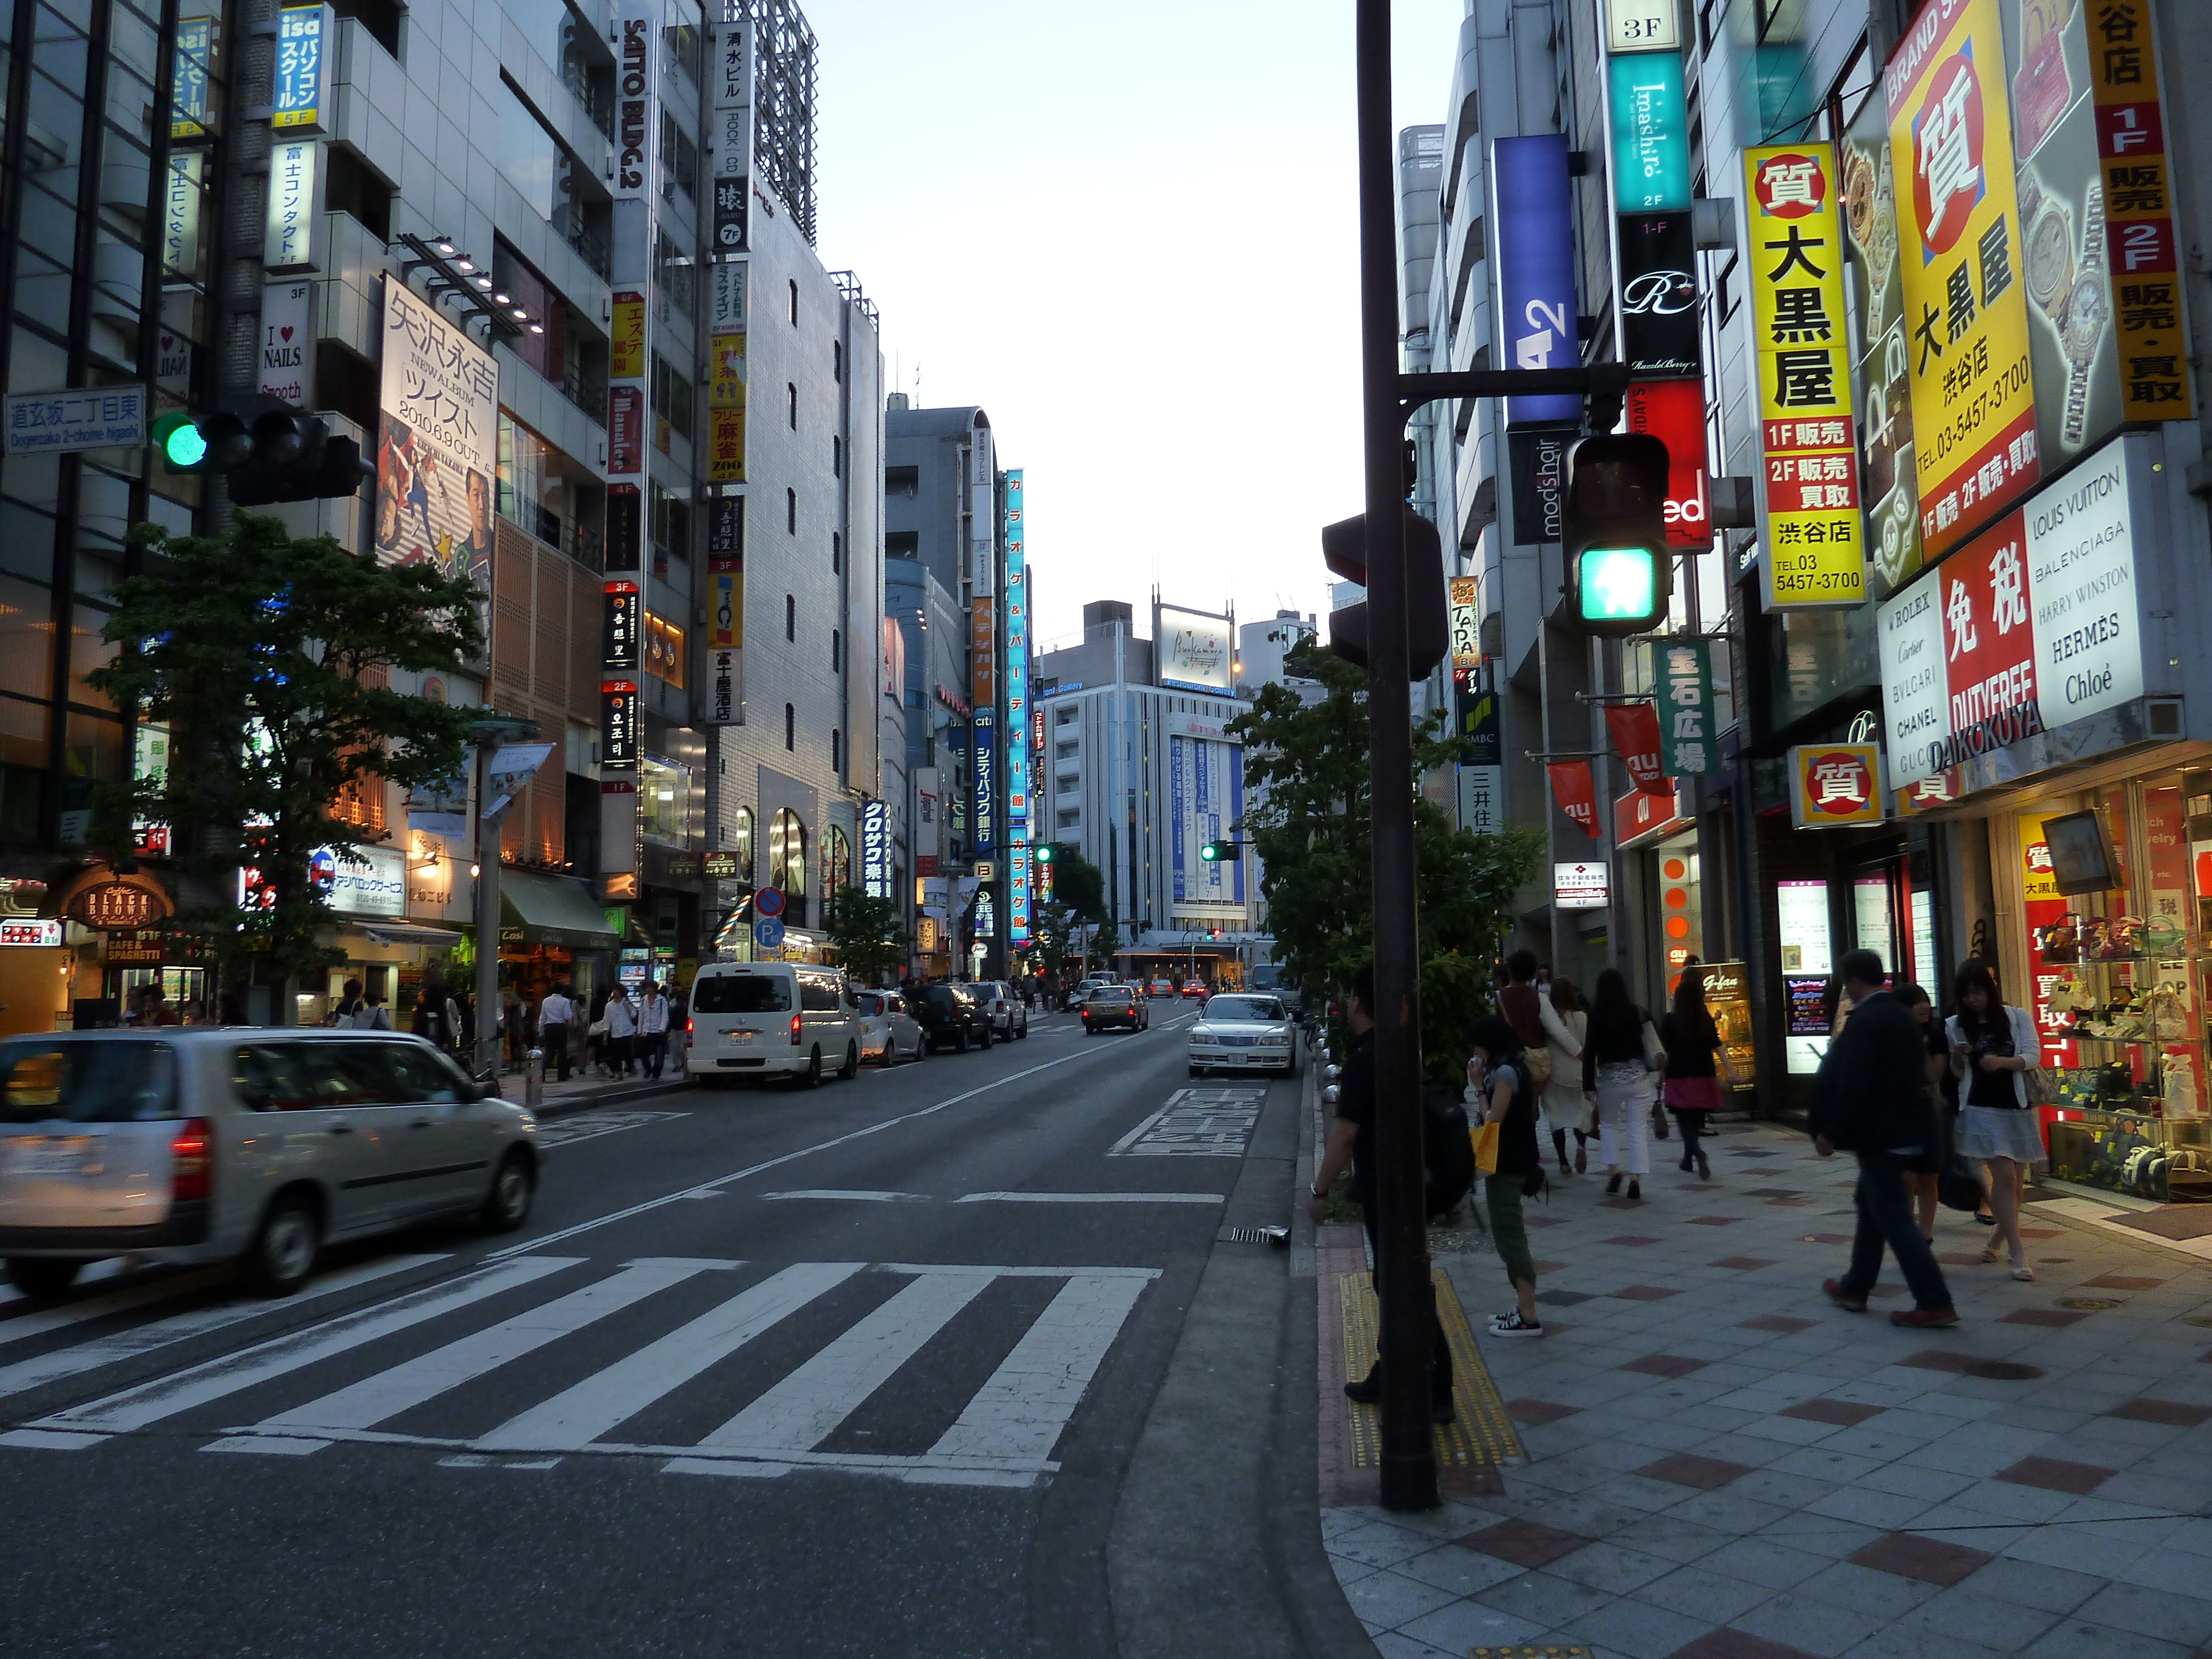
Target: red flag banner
1576 791
1635 727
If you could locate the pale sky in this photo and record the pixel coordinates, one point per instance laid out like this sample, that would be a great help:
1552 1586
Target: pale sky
1130 235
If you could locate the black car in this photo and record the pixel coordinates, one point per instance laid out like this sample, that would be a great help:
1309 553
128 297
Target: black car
1111 1006
950 1015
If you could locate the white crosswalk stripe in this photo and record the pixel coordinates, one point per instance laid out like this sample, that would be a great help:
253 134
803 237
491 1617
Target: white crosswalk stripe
1004 1434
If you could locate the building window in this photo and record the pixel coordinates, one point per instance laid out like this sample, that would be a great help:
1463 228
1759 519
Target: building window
672 405
791 511
836 552
836 864
791 396
679 156
663 792
836 458
837 360
791 616
836 753
741 842
671 527
790 742
787 853
664 650
795 302
673 274
836 652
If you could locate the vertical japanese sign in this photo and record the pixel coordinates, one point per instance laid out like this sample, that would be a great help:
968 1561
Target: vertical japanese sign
983 755
618 733
1651 133
180 229
1017 666
1466 623
983 651
733 134
876 848
726 603
2144 254
301 34
625 430
626 339
437 455
1966 312
725 383
625 526
1684 695
625 621
1815 554
1533 213
634 33
191 115
1657 251
286 369
292 235
1889 477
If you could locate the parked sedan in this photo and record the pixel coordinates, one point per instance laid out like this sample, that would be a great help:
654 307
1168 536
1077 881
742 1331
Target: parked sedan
887 1030
1008 1014
1243 1034
1113 1007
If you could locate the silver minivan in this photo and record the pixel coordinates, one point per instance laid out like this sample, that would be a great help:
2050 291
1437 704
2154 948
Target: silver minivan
772 1019
254 1144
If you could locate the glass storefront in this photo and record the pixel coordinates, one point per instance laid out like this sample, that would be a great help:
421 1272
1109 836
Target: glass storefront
2111 900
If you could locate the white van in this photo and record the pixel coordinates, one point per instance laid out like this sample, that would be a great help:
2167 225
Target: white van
772 1019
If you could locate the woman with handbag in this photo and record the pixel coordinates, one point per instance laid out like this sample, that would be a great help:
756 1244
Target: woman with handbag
1993 1048
1562 1094
1543 1039
1506 1106
1925 1186
1696 1060
1621 1052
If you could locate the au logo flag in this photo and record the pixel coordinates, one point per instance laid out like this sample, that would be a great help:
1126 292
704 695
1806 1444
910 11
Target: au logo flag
1635 728
1576 790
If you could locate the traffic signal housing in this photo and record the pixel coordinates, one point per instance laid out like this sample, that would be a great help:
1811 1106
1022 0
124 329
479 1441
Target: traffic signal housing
1044 853
1621 573
1220 852
1428 623
265 449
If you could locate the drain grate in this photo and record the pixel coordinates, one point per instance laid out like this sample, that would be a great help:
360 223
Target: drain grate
1254 1236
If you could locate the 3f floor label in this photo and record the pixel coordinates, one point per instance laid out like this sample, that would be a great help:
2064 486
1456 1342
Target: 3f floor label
1215 1122
683 1326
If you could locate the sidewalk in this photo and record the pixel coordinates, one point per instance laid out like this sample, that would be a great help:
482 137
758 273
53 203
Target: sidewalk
1715 1462
581 1093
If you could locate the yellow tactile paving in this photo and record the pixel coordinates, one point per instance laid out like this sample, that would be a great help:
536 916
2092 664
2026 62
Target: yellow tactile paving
1483 1434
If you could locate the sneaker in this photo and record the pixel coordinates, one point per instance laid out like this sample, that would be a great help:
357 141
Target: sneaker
1833 1289
1511 1324
1924 1318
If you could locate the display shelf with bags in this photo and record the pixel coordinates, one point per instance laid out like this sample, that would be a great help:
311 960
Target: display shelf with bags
2164 1159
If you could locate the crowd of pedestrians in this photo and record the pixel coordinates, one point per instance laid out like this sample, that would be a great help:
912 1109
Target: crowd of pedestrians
1931 1108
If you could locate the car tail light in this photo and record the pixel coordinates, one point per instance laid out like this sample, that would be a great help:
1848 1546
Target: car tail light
690 1026
794 1031
191 1159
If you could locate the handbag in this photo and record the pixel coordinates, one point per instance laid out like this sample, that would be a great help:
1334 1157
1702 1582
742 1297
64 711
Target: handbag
1485 1137
597 1028
2042 1087
1537 1063
1957 1187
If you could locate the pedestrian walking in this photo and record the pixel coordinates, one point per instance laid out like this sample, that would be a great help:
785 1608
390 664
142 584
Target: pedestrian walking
1495 1079
1562 1094
1993 1046
1696 1061
651 1029
1352 1141
1537 1027
554 1015
621 1030
1870 1099
437 1017
595 1031
347 1014
1925 1185
1621 1054
373 1015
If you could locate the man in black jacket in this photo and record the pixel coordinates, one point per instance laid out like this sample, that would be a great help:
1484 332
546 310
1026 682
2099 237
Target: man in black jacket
1871 1100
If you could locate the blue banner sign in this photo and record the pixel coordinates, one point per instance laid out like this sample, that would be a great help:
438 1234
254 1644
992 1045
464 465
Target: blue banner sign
1535 232
1650 134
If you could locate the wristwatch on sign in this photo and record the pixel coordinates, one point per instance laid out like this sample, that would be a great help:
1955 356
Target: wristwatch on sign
2069 285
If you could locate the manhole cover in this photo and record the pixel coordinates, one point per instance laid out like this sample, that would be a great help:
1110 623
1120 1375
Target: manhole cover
2093 1303
2002 1370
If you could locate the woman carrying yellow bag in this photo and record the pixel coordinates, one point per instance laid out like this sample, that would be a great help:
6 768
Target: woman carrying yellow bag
1506 1152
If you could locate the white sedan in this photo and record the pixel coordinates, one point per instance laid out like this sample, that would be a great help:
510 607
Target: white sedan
887 1029
1243 1034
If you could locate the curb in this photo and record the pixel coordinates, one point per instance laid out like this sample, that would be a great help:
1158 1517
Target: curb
569 1105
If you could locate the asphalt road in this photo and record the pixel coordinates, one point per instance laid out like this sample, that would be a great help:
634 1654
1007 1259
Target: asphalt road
858 1371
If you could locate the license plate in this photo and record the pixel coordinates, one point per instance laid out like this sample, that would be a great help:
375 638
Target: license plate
738 1036
72 1155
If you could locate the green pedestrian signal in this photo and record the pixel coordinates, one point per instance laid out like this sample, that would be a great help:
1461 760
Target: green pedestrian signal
1617 584
1619 571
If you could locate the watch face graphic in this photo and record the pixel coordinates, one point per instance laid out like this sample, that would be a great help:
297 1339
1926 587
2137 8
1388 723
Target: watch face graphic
2088 308
2050 255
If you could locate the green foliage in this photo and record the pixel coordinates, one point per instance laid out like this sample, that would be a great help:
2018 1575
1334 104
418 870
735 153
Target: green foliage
1105 945
870 942
1078 883
1307 766
1058 934
270 660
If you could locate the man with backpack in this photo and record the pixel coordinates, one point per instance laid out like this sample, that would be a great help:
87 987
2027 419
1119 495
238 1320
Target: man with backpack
1352 1141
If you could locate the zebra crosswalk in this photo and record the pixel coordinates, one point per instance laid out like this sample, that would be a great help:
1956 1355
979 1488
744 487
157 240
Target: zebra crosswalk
496 1330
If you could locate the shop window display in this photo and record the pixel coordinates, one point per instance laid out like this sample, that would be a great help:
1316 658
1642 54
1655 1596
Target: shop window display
2119 904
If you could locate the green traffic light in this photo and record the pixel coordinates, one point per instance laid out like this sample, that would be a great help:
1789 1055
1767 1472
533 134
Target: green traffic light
1617 584
1211 852
1044 853
184 448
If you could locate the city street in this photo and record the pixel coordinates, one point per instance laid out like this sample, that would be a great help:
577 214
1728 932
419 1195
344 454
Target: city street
867 1369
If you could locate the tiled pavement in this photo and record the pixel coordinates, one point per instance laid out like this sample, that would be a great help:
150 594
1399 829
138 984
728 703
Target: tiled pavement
1724 1466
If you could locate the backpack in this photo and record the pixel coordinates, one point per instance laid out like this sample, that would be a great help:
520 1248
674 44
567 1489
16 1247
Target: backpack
1446 1148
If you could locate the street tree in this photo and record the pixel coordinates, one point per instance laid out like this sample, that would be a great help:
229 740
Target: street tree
1078 883
1058 932
871 943
1306 768
270 661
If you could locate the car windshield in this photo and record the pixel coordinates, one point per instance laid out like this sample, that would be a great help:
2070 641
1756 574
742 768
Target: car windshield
1255 1010
86 1080
741 993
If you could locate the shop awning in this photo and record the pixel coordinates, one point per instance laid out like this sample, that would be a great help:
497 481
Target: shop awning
550 910
400 933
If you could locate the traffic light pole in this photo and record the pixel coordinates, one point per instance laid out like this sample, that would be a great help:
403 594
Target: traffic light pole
1388 399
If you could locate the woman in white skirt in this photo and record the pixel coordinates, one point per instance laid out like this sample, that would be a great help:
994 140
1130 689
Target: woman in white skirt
1992 1048
1617 1077
1563 1106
